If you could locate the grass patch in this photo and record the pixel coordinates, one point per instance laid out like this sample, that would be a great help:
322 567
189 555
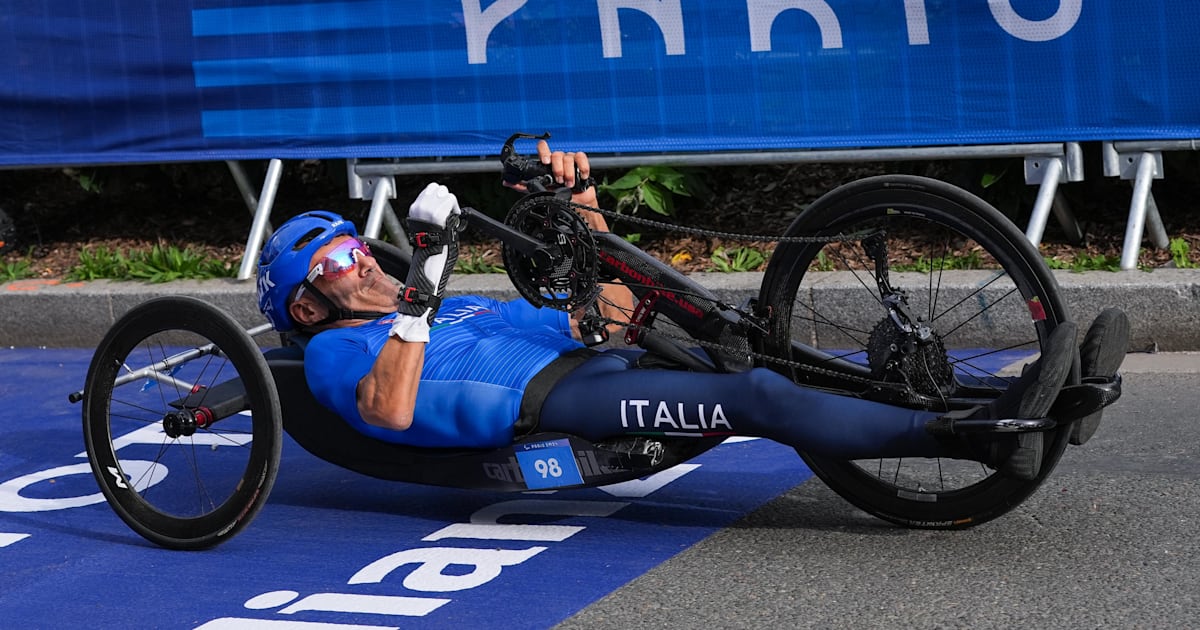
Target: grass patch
737 259
158 264
18 270
1087 262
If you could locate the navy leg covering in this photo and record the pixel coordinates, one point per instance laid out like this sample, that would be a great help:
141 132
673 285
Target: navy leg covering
606 397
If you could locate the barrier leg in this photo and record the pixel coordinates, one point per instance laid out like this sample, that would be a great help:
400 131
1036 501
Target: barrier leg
243 185
1066 219
1045 199
262 215
381 214
1137 211
1154 223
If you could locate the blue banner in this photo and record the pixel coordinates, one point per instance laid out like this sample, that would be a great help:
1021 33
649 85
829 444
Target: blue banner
107 81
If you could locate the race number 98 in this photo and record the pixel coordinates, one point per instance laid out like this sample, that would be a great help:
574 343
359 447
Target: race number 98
548 468
549 464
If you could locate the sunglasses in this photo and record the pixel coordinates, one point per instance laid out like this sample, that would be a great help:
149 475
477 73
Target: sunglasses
340 261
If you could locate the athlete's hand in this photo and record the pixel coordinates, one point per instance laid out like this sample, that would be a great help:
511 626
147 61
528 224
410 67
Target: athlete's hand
435 205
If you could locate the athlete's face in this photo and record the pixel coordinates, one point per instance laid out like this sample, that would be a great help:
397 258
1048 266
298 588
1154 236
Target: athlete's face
346 272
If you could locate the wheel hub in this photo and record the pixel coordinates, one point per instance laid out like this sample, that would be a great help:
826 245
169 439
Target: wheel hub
179 423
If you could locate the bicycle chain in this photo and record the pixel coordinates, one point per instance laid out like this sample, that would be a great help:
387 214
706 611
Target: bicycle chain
670 227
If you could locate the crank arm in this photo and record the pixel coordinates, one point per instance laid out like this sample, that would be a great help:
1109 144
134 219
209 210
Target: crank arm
536 250
951 425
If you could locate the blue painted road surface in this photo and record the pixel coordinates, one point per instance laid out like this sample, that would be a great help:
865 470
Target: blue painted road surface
333 549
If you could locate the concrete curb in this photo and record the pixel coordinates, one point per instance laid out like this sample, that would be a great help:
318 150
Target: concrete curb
1164 305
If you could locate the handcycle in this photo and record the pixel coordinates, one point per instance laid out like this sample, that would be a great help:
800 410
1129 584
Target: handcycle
184 411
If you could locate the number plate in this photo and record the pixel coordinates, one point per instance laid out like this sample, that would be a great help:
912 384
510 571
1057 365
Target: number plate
549 464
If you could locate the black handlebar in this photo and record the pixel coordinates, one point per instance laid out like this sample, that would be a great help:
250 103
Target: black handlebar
518 169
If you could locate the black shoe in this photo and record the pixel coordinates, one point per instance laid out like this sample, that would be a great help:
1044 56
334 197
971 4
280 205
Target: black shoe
1100 355
1030 396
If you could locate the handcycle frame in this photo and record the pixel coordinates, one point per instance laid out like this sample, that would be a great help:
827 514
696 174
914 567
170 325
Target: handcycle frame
731 338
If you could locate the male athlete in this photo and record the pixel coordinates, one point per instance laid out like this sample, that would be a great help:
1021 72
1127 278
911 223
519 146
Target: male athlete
404 364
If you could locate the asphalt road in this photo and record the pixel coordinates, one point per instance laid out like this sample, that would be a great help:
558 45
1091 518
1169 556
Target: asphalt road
1109 541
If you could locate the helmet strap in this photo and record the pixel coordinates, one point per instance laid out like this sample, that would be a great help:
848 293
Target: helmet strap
336 313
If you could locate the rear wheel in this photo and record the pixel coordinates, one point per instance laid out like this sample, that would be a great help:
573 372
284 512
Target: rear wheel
182 423
978 302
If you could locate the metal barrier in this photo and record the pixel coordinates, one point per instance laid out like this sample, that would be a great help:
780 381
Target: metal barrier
1046 165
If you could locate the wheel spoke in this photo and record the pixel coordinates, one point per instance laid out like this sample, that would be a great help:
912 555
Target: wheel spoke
942 358
190 482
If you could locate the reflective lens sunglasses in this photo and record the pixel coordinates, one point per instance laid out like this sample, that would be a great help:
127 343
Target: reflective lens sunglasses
340 261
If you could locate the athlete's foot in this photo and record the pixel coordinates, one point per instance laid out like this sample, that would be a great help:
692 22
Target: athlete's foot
1100 355
1030 396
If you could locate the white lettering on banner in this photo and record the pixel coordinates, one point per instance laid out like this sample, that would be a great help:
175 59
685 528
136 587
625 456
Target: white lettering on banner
918 24
636 488
1053 27
241 623
8 539
667 14
347 603
485 524
481 23
764 12
428 577
146 473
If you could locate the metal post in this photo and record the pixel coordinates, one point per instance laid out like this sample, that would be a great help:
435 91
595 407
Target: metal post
262 215
396 231
379 205
1066 219
1045 200
1154 223
243 184
1137 211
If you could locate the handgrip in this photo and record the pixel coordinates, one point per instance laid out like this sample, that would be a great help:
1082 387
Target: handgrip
530 171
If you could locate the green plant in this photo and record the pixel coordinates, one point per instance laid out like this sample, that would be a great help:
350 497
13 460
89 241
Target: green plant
471 260
1087 262
1180 250
17 270
738 259
159 264
89 182
653 187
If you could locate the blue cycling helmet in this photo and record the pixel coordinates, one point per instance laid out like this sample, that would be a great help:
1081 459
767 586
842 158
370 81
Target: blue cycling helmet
286 257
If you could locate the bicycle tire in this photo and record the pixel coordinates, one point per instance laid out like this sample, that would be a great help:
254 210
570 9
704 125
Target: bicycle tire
187 491
913 492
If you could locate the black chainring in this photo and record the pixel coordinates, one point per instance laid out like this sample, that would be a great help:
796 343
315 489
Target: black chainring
563 275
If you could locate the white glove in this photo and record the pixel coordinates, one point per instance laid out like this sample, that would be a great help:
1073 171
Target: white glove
434 205
410 328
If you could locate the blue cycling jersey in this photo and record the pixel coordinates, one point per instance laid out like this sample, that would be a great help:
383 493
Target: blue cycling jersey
481 355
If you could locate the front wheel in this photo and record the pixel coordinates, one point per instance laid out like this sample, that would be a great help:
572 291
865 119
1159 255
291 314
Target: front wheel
182 423
931 299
